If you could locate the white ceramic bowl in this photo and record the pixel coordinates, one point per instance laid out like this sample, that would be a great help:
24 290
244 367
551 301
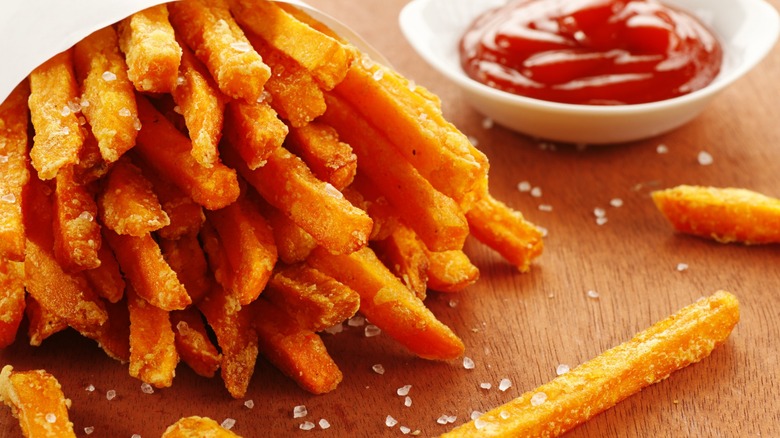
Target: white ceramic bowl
747 30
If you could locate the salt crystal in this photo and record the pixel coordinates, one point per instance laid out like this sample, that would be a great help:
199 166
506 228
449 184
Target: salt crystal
543 230
536 192
228 423
136 435
562 369
538 398
662 149
90 388
390 421
306 425
407 401
487 123
180 81
412 86
599 212
240 46
300 411
524 186
86 216
404 390
333 191
682 267
485 385
705 159
3 158
84 103
372 330
51 418
147 388
74 107
338 328
473 141
324 424
378 368
9 198
65 111
177 109
356 321
110 394
137 124
367 62
405 430
108 76
89 430
475 415
453 303
545 207
504 384
616 202
601 221
125 112
249 404
480 424
451 419
504 415
378 75
442 419
468 363
593 294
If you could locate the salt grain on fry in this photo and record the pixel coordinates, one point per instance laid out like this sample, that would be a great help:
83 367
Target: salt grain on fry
476 414
616 202
108 76
662 149
538 398
90 388
562 369
51 418
487 123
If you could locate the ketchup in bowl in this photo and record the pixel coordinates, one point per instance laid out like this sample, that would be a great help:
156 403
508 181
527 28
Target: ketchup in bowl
593 52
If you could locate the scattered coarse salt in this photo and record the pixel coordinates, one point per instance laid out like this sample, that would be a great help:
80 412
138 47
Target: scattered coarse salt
705 159
593 294
562 369
504 415
468 363
485 385
545 207
599 212
228 423
147 388
89 430
538 398
662 149
616 202
442 419
125 112
110 394
137 124
65 112
487 123
390 421
136 435
405 430
372 330
480 424
86 216
324 424
504 384
249 404
300 411
378 368
51 418
543 230
404 390
536 192
407 401
177 109
3 159
90 388
9 198
524 186
601 221
475 414
378 75
356 321
306 425
180 80
453 303
682 267
338 328
241 46
108 77
74 107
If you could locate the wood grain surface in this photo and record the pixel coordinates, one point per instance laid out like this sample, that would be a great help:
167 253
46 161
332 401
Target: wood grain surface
521 326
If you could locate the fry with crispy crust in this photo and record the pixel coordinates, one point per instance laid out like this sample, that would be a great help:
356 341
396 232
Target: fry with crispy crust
255 132
12 303
76 232
185 256
197 427
450 271
36 400
330 159
106 279
13 171
41 323
722 214
293 243
193 343
406 257
153 356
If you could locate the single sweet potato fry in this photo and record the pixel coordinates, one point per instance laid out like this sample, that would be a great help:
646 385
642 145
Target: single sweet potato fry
91 166
197 427
36 400
185 256
722 214
41 323
328 158
406 257
652 355
151 50
106 279
76 232
193 343
58 135
293 243
13 171
217 256
153 356
255 132
12 302
363 194
450 271
386 302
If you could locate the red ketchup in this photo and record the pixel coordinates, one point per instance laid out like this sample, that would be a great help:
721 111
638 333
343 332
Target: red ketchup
594 52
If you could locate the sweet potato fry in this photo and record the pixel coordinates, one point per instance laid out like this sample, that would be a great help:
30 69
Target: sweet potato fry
167 151
147 271
450 271
298 353
197 427
506 231
406 257
255 132
128 204
41 323
36 400
13 171
193 343
216 254
106 279
217 40
249 246
58 136
203 107
326 58
151 51
236 337
12 302
293 243
114 336
652 355
153 356
317 207
314 300
436 218
363 194
389 304
723 214
328 158
107 97
91 166
76 232
185 256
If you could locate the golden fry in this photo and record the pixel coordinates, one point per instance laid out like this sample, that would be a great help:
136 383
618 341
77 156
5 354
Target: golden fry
217 256
13 171
185 256
106 279
197 427
328 158
58 135
406 257
153 356
107 97
151 51
36 400
255 132
91 166
652 355
41 323
386 302
722 214
363 194
217 40
193 343
76 232
293 243
114 336
12 303
450 271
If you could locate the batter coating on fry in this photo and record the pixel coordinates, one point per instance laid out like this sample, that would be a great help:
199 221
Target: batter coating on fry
36 399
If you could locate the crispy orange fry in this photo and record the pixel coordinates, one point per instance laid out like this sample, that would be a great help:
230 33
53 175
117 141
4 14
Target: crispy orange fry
167 151
12 302
147 271
386 302
550 410
151 50
36 400
450 271
91 166
114 336
197 427
42 323
249 246
76 232
58 136
255 132
314 300
722 214
217 40
407 257
364 194
326 58
202 105
298 353
193 343
328 158
216 254
128 204
236 338
292 243
506 231
153 356
106 279
436 218
13 171
186 258
317 207
107 97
